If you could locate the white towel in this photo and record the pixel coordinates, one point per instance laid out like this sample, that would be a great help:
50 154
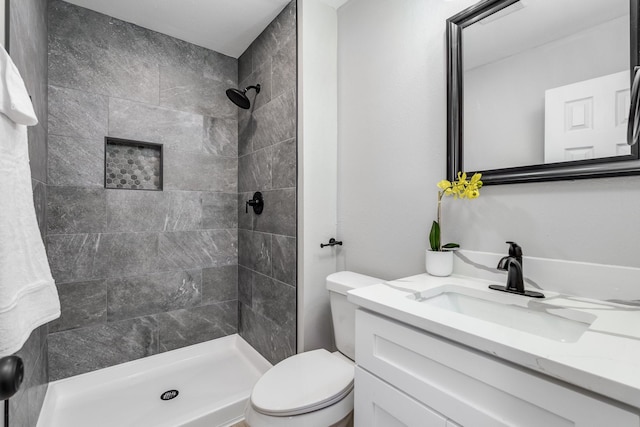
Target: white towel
28 296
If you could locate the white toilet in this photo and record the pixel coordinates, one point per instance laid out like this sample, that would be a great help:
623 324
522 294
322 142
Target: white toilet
315 388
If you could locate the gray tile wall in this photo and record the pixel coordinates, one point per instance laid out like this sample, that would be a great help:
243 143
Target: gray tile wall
267 163
28 49
138 272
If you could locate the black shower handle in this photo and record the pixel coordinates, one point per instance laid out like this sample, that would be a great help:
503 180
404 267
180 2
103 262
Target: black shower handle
257 202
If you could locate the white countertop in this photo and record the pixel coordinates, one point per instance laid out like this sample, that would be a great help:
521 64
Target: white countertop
605 359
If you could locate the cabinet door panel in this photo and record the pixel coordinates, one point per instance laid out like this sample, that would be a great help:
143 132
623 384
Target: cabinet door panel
377 404
473 388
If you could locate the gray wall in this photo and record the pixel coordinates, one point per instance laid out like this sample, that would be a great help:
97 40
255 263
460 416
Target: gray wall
138 272
391 132
28 40
267 163
392 151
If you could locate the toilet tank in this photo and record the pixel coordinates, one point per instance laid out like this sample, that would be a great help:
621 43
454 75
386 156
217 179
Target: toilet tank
343 313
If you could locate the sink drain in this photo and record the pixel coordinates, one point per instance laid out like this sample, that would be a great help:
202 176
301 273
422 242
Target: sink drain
168 395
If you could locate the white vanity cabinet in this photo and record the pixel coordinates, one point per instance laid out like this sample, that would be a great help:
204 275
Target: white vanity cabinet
379 404
409 377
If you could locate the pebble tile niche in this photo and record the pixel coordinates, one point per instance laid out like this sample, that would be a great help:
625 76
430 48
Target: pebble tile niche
132 165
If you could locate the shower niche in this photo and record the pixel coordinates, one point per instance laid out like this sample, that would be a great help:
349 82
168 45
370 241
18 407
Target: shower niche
132 165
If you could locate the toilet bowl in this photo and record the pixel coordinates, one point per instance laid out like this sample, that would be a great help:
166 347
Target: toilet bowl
315 388
310 389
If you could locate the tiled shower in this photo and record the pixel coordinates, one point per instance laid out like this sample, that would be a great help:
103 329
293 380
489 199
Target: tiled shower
141 272
267 163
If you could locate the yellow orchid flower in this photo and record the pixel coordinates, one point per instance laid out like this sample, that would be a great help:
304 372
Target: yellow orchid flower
462 188
462 176
445 186
472 193
459 189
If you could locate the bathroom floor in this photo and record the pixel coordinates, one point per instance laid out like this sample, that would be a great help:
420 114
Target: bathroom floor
241 424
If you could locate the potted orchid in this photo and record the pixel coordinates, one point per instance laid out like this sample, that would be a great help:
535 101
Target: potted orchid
439 259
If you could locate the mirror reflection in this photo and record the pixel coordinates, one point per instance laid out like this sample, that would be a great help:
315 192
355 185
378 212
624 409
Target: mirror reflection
546 81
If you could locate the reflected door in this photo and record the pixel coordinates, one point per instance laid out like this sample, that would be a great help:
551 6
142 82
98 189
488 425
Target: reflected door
588 119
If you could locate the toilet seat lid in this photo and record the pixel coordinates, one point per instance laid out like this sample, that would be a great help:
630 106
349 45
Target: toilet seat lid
303 383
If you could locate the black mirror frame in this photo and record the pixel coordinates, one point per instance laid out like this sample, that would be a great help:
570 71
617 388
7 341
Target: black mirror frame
7 20
592 168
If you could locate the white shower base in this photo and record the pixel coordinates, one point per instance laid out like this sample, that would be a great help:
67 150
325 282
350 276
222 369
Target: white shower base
214 380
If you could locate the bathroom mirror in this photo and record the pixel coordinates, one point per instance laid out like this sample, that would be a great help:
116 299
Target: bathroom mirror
539 90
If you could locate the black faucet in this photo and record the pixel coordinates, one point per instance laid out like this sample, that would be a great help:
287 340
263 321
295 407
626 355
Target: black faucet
515 281
512 264
515 251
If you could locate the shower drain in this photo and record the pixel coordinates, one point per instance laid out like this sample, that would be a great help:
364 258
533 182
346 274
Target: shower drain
170 394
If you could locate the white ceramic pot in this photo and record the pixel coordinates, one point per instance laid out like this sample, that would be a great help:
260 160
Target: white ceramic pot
439 263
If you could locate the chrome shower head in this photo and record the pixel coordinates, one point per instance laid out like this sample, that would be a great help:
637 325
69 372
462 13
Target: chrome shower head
239 97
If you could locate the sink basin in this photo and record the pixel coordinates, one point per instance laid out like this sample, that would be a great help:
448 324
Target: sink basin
511 311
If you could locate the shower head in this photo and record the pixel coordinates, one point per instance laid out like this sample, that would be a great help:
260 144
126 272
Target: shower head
239 97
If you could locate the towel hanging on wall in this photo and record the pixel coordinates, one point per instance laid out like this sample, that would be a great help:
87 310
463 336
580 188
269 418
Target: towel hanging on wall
28 296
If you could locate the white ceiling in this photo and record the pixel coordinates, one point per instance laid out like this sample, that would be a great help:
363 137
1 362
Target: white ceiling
335 3
226 26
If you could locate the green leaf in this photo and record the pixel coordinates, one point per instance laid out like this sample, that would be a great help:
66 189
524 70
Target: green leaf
434 236
450 246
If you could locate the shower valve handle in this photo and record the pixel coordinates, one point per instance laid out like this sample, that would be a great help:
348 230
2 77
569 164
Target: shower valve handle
257 203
